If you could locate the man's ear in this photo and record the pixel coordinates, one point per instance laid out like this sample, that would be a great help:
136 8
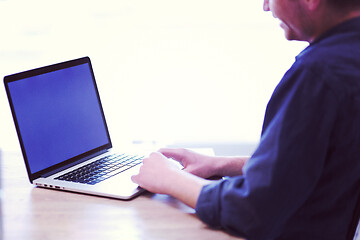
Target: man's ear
312 5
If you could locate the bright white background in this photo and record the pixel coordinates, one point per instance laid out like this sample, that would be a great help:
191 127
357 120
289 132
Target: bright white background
168 71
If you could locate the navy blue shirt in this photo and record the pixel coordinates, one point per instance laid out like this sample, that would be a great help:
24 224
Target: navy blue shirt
303 180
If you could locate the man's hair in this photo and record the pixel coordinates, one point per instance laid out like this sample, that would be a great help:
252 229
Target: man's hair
344 4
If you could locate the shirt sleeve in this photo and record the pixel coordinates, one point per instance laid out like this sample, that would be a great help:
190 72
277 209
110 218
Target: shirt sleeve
286 166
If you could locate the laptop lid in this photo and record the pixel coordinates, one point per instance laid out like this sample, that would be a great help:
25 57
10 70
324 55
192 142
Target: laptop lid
58 115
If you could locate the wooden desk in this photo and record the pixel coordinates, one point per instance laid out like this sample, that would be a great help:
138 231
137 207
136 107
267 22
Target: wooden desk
36 213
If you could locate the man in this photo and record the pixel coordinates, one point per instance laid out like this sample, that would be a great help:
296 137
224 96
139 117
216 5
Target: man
303 180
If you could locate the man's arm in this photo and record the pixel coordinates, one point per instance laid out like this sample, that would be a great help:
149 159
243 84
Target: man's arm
160 175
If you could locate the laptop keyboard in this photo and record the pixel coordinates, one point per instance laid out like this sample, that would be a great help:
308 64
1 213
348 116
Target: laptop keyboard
101 169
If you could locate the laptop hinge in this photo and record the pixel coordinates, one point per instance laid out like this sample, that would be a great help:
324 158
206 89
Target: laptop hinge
74 163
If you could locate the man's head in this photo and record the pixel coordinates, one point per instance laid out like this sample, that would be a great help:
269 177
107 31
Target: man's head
305 20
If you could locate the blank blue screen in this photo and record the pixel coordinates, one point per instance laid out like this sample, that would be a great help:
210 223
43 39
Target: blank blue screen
58 115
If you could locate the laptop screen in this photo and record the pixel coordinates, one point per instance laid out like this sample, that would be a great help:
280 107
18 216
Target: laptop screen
58 115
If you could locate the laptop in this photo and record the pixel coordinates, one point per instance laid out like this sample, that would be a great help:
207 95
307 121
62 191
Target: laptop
63 134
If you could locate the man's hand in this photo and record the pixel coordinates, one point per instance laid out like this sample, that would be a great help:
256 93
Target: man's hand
155 174
200 165
160 175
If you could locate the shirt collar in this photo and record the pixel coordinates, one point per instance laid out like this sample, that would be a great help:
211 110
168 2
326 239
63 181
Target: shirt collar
352 25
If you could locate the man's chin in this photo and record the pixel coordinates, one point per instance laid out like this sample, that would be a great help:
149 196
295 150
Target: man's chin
289 35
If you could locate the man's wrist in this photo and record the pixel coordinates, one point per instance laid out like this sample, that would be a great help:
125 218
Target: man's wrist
185 186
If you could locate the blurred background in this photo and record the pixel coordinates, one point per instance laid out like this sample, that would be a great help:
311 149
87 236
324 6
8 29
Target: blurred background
181 73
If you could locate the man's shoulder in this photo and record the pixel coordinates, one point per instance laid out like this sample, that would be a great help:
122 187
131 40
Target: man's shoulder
331 63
